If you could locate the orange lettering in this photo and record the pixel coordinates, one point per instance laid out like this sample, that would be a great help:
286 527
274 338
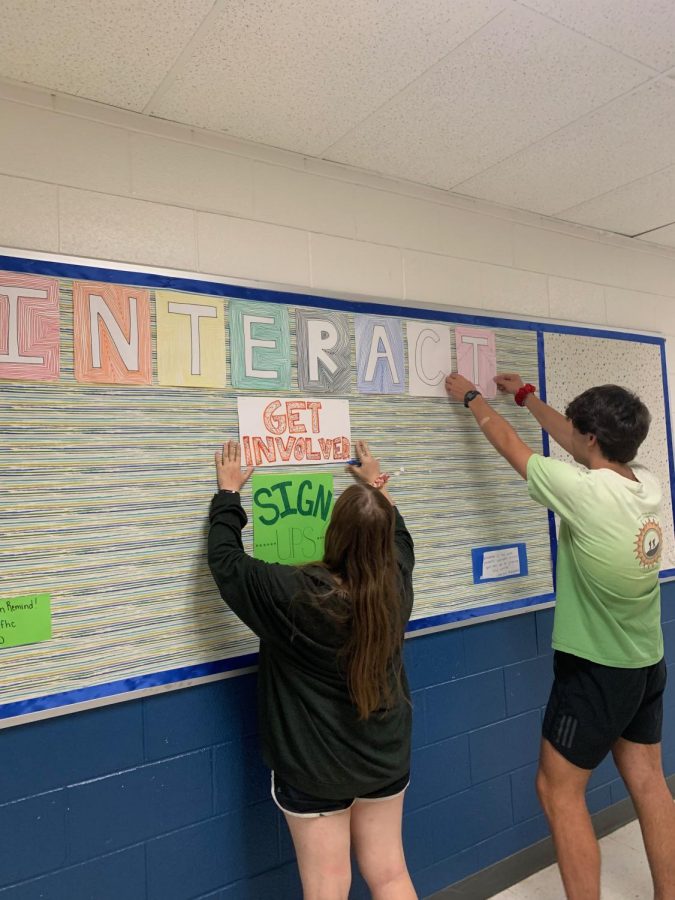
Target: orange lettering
246 441
274 424
285 450
263 448
314 406
293 408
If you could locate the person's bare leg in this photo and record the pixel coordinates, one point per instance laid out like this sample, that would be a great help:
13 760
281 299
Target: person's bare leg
561 787
378 845
322 846
642 771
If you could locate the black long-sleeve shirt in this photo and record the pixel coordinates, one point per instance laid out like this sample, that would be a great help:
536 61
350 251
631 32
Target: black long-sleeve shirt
310 731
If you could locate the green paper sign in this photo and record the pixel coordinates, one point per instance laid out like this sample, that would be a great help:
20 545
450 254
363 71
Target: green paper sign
290 517
25 620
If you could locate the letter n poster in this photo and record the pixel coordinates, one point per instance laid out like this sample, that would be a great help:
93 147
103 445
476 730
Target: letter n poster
290 517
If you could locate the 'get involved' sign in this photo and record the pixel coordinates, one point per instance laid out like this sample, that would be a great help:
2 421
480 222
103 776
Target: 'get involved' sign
282 432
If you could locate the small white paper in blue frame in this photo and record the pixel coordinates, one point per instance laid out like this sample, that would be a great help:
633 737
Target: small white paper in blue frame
499 562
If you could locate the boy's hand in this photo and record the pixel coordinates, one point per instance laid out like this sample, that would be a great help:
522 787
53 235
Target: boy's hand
228 468
457 386
508 382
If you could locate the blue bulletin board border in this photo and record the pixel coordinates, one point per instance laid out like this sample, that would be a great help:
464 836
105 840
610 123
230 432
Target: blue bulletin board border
128 688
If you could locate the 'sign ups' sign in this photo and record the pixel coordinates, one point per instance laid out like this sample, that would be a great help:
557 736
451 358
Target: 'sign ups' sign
290 517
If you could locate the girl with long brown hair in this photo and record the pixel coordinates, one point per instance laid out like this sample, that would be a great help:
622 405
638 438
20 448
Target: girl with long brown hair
333 698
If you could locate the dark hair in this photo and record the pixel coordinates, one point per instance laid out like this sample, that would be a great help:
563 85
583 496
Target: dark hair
360 551
617 417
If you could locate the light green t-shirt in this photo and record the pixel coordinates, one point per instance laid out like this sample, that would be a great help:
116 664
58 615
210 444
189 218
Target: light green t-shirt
608 604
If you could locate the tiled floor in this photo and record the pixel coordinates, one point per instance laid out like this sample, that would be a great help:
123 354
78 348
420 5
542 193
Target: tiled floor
625 874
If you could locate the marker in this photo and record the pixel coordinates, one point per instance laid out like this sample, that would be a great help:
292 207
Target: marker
353 462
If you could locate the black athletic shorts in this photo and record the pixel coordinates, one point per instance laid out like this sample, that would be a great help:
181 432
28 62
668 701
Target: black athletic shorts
296 803
592 706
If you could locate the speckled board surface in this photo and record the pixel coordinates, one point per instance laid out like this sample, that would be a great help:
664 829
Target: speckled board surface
576 362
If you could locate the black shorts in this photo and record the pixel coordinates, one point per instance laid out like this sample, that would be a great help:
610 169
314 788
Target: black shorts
591 706
296 803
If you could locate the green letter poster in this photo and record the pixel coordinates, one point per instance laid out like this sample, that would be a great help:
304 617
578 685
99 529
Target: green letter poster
290 517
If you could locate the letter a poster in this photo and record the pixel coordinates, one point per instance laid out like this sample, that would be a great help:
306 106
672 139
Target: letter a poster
290 517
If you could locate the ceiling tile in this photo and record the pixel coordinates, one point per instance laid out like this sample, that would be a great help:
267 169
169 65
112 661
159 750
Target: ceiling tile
631 209
116 53
663 236
521 78
298 74
633 136
644 30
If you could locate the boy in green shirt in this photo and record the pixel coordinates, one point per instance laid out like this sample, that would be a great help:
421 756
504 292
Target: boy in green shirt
609 669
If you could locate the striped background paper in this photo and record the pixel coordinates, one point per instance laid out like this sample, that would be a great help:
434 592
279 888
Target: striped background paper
105 494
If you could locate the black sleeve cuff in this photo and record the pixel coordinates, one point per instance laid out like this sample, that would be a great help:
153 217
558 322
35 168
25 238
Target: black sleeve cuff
226 501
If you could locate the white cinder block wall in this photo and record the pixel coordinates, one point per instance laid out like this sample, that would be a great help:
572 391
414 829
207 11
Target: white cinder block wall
89 180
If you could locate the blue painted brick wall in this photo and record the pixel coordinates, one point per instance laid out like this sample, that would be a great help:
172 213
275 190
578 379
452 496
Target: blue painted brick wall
166 798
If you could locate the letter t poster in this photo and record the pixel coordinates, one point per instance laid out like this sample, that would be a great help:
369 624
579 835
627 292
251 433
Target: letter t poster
290 517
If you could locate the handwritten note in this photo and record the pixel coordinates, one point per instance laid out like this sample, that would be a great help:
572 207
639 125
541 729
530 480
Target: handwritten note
496 563
25 620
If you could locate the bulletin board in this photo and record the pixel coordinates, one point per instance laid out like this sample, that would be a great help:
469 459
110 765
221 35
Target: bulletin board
106 488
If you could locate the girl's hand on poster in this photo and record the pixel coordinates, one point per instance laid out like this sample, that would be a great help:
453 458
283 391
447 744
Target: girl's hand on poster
228 468
369 469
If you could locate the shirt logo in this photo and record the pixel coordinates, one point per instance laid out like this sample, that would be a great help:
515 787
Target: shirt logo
648 544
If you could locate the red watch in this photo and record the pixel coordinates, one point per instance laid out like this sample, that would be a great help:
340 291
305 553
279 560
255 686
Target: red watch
522 393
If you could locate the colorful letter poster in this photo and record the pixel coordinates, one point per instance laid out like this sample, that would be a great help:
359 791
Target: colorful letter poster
29 327
293 432
379 355
477 358
260 346
190 340
290 517
25 620
111 334
324 351
429 358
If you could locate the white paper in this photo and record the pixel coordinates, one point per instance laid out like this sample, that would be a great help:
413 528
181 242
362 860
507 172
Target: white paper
501 563
277 431
429 358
